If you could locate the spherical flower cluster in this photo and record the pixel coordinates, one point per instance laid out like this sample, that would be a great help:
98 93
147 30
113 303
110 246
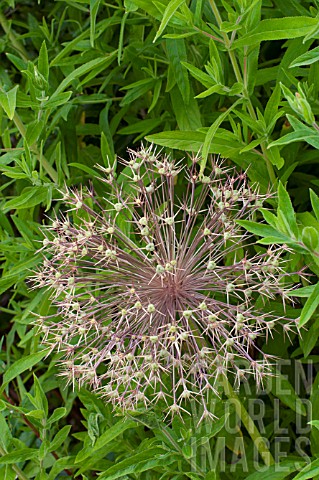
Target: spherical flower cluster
159 292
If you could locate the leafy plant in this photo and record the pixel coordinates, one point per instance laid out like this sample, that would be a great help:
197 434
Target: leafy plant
80 81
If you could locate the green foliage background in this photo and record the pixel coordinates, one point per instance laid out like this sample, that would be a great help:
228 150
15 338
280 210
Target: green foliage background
80 81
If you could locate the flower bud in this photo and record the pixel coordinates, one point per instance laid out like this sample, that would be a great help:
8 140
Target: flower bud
169 220
211 265
145 231
151 308
118 207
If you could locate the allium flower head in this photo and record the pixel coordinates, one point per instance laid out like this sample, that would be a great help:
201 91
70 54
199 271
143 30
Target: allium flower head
156 294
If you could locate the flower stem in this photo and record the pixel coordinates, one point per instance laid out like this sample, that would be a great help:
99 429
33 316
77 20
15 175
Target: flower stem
248 423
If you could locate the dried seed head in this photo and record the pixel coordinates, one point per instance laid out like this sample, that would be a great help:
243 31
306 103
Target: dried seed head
159 315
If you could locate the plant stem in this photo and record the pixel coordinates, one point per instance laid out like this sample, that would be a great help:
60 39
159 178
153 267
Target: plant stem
17 470
248 423
11 36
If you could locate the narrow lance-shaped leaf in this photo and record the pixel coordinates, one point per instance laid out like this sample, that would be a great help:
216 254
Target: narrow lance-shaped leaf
306 59
20 455
94 6
22 365
262 230
273 473
278 29
43 61
8 101
315 203
169 12
59 438
286 209
110 435
211 133
82 70
138 463
310 306
282 389
309 472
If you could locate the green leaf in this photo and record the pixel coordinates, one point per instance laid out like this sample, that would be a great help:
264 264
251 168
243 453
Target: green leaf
309 472
176 53
280 471
8 101
59 465
106 438
56 415
41 401
179 35
82 70
38 414
270 218
168 13
114 432
262 230
94 6
235 89
140 126
309 339
7 281
21 365
211 133
202 77
300 136
306 59
315 203
43 61
315 423
182 140
156 95
58 100
93 173
275 158
17 62
130 6
285 207
138 463
187 114
310 238
282 389
225 143
210 91
137 89
278 29
6 436
59 438
302 292
19 455
310 306
34 130
30 197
